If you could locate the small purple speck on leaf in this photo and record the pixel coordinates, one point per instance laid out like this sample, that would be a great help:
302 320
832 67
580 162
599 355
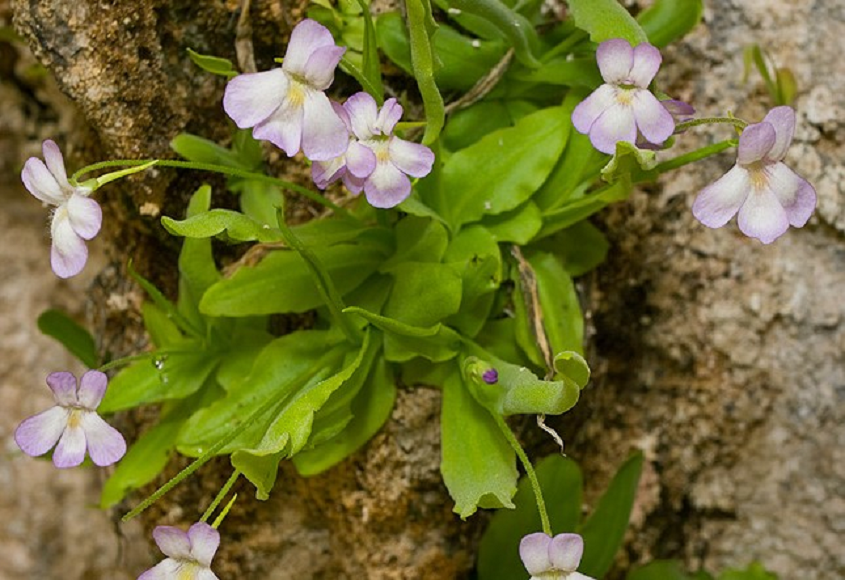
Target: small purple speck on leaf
490 376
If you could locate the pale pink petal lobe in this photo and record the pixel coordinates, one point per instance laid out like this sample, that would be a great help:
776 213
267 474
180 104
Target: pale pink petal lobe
647 61
387 186
566 550
319 70
68 253
251 98
718 202
578 576
591 108
105 443
615 58
55 162
653 120
363 114
63 385
360 160
795 194
283 128
324 135
325 172
783 120
355 185
388 116
92 387
204 542
38 434
85 216
534 552
40 182
755 143
616 124
70 451
412 158
762 216
307 37
173 542
206 574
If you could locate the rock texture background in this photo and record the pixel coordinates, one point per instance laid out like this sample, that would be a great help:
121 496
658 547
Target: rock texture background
720 358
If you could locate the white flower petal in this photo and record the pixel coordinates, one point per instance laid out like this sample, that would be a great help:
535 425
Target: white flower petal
165 570
251 98
70 451
63 385
783 120
360 160
324 135
68 253
105 443
204 542
387 186
718 202
565 551
355 185
653 120
325 172
762 216
55 162
307 37
38 434
319 70
647 61
534 552
578 576
614 125
388 116
173 542
615 58
412 158
40 182
92 387
591 108
85 216
284 127
795 194
363 114
206 574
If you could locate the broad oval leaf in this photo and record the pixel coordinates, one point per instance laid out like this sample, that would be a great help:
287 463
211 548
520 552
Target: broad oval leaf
606 19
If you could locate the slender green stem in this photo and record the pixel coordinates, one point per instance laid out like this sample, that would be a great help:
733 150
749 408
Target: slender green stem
423 63
125 361
738 123
325 285
224 169
201 460
224 513
529 471
570 41
220 495
694 156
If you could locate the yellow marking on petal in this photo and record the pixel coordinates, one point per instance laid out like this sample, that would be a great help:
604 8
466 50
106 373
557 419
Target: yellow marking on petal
187 572
759 179
625 97
75 419
296 94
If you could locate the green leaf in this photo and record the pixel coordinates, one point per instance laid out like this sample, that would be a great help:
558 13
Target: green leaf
583 207
561 482
236 226
371 67
755 571
185 325
162 330
197 270
562 316
201 150
370 409
477 463
517 29
423 293
668 20
290 426
213 64
282 282
171 375
286 365
466 126
518 226
567 72
78 341
476 255
420 28
503 169
606 19
604 530
627 161
581 247
417 240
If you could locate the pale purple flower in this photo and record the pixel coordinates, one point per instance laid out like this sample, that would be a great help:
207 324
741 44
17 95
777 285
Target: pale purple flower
680 112
76 218
623 106
376 161
768 195
556 558
287 106
189 554
73 423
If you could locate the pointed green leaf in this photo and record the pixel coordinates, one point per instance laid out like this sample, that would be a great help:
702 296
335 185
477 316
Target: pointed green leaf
78 341
213 64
